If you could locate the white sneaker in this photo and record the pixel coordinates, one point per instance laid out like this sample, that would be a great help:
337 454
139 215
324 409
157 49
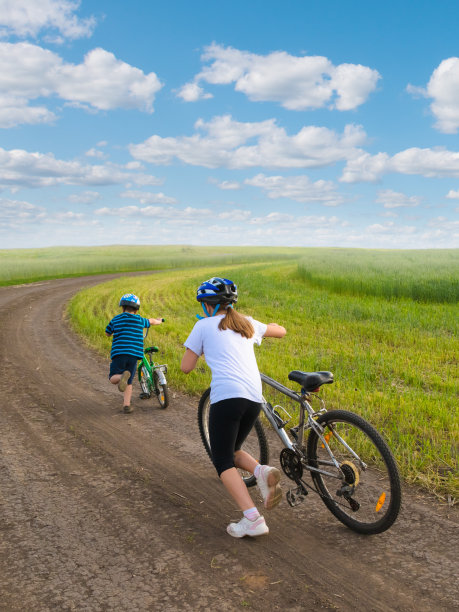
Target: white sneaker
124 380
248 528
268 483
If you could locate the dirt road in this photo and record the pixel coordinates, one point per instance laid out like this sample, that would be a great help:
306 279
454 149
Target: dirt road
105 511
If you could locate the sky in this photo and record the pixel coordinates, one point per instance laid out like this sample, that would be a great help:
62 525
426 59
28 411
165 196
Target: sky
314 123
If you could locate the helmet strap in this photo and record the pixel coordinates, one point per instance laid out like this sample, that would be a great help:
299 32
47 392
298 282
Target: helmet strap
206 312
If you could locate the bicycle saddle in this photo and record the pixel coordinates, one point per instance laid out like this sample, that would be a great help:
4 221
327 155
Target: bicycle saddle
151 349
311 381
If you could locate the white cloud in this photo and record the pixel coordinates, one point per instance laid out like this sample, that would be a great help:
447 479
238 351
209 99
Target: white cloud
93 152
86 197
160 212
453 195
390 227
101 82
443 89
145 197
283 219
232 144
16 212
394 199
226 185
445 225
431 163
191 92
235 215
19 168
27 18
297 83
298 188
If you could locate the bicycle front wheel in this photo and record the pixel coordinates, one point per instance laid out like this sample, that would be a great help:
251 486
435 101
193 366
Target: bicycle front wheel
162 392
364 491
255 444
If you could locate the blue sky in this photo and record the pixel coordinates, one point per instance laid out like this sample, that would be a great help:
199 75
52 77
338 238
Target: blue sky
294 123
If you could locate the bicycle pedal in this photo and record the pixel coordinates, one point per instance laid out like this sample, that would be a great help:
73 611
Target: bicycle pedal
296 496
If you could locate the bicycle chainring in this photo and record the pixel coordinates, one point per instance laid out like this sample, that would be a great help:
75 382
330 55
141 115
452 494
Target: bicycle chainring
291 464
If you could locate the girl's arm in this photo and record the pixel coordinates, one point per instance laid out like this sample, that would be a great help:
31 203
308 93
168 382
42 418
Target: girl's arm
274 330
189 361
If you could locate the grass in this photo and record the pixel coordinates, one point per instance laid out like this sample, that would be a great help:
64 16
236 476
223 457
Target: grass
426 276
29 265
394 358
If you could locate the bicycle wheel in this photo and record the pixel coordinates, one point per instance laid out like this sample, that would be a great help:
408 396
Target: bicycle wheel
255 444
162 392
145 380
364 493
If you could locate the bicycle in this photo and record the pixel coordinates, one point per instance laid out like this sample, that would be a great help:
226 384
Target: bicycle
352 468
152 376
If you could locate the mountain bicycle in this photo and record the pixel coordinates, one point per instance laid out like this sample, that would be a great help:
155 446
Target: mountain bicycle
351 467
152 376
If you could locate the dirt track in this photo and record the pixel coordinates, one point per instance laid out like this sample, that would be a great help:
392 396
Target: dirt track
105 511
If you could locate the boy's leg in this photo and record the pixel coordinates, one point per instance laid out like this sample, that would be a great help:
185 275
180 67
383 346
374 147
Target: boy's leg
131 366
127 399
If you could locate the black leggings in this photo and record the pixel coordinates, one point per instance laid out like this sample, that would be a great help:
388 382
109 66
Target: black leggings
230 422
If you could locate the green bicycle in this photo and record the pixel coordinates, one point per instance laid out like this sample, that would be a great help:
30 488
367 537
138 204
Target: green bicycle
152 376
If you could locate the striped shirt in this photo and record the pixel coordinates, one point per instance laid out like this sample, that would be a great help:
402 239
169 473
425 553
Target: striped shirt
127 330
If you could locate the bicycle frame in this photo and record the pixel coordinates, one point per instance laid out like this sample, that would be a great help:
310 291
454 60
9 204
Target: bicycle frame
151 366
278 425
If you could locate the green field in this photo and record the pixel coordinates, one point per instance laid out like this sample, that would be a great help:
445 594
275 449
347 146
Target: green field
385 322
28 265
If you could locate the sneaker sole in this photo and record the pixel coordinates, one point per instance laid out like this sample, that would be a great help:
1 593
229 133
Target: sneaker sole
128 409
275 495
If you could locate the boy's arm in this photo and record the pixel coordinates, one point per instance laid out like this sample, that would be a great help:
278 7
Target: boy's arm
157 321
109 330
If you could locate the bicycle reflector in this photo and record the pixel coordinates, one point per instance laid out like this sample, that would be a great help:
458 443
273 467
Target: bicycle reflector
327 438
380 502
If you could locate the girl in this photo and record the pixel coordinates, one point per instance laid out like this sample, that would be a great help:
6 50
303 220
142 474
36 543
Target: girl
226 338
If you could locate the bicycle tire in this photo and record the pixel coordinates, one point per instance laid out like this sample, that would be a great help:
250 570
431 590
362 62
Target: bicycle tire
145 380
256 443
162 391
376 488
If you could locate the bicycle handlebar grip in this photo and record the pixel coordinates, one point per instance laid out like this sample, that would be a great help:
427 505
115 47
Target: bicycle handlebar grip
162 320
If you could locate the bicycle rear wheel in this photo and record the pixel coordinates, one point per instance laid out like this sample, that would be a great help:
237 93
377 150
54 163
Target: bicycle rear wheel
255 444
364 493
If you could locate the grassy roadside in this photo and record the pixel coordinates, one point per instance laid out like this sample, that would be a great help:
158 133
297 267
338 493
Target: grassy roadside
394 359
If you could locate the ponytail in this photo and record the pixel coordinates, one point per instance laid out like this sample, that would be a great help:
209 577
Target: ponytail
236 322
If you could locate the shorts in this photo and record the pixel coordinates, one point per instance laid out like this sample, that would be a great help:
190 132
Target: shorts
230 422
120 363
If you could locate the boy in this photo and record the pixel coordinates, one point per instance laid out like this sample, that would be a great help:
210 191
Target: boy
127 346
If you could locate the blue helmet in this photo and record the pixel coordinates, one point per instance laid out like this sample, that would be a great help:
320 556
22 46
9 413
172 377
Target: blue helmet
130 300
217 291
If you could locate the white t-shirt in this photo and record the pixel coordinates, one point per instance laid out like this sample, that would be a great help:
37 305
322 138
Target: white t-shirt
230 357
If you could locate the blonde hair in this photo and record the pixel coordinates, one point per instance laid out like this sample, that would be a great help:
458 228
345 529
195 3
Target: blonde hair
236 322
